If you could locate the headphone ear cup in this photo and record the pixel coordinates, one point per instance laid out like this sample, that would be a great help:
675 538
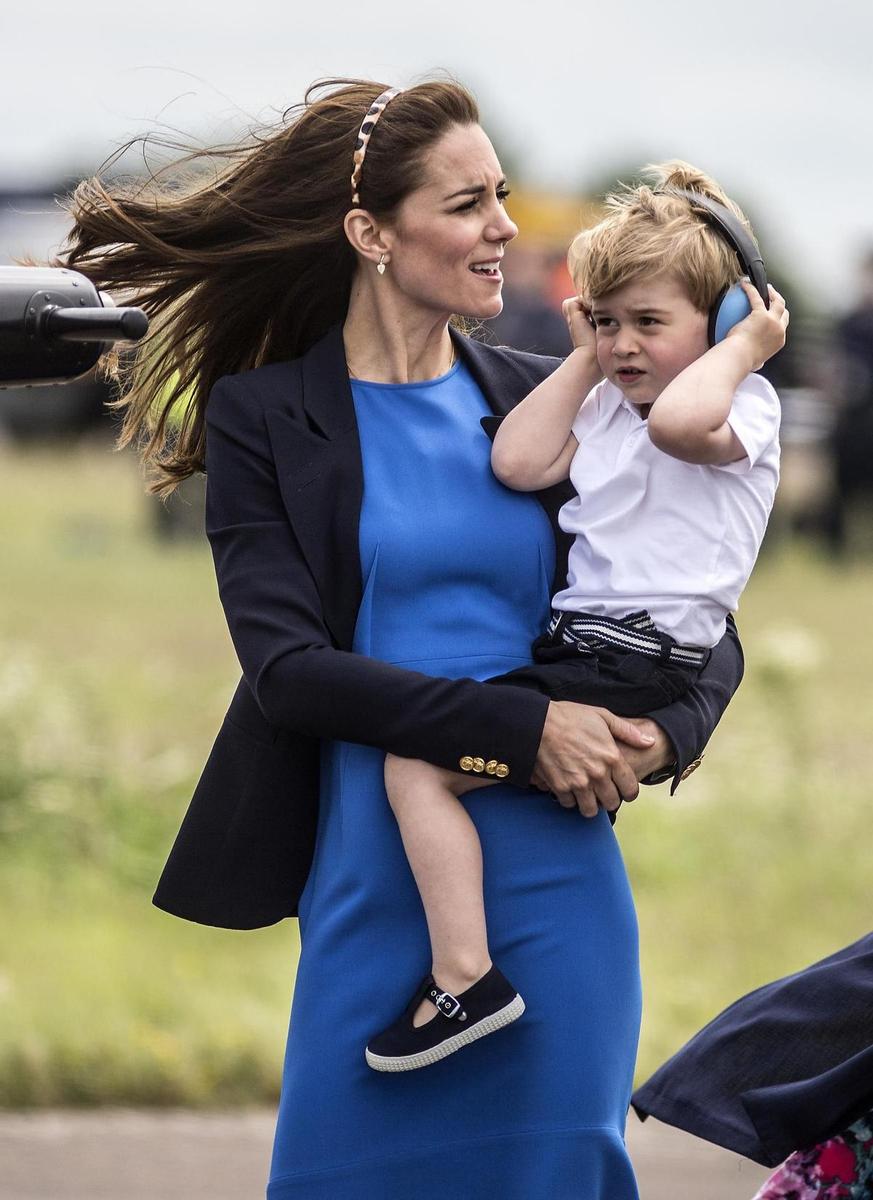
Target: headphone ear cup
713 316
731 307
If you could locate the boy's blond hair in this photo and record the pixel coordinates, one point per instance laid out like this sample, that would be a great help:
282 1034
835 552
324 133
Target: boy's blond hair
648 231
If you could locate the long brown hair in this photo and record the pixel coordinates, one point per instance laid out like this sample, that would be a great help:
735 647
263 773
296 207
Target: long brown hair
238 253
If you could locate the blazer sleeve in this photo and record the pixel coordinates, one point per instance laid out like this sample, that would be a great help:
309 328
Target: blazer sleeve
690 721
299 678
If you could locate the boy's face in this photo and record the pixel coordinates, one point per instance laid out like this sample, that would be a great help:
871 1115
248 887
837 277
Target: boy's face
647 332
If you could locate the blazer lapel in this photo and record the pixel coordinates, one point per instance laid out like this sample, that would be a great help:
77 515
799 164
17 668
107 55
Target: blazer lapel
322 481
505 382
501 385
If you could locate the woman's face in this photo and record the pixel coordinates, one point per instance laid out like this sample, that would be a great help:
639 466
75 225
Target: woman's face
448 237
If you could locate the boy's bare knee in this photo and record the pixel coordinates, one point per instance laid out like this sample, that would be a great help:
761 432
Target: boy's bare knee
407 779
404 773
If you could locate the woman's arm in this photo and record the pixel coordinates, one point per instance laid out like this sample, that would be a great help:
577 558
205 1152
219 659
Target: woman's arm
299 678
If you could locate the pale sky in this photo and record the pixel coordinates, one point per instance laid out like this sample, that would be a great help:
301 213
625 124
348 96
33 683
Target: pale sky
773 99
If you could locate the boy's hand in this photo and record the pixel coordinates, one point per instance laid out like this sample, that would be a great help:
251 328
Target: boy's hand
763 330
579 322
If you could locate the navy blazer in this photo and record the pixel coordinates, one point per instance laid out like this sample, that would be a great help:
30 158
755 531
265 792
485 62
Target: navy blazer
782 1069
283 502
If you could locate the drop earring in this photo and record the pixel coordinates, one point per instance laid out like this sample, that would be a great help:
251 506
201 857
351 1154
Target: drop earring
381 265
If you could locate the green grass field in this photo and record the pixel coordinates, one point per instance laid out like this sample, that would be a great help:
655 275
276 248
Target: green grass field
115 670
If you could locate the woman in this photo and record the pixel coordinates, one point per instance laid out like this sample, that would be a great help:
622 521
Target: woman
372 572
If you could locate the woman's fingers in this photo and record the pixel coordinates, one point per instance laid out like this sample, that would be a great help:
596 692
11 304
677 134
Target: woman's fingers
586 802
659 755
625 780
608 795
579 761
625 731
589 802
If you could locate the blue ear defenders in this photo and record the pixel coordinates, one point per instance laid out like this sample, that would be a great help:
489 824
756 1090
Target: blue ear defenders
732 305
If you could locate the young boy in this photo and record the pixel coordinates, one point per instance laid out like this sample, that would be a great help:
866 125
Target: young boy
672 447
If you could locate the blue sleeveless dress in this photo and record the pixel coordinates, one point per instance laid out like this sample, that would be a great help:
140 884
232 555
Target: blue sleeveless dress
457 572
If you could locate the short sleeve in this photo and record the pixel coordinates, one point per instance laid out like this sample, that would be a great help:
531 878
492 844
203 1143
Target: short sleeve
754 418
589 412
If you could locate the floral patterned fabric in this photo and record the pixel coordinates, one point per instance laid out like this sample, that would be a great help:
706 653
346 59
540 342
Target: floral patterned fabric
838 1169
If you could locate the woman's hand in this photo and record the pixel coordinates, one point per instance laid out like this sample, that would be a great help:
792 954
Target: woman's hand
579 761
651 758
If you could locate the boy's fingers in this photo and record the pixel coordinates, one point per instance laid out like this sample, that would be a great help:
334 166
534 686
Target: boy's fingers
752 292
777 301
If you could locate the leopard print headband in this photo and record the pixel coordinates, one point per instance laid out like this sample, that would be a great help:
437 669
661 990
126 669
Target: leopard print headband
374 112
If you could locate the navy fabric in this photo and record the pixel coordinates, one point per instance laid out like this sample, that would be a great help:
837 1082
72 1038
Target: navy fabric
457 572
625 682
284 492
781 1069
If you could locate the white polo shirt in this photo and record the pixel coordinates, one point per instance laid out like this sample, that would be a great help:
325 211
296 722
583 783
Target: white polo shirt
678 539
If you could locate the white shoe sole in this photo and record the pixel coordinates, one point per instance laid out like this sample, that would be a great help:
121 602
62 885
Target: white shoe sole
490 1024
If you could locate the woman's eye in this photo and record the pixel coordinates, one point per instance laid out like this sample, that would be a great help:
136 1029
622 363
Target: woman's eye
501 194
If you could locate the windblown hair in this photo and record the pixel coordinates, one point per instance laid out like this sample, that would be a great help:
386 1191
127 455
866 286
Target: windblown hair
238 253
649 231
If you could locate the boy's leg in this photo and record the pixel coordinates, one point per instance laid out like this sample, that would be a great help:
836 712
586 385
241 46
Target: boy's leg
443 850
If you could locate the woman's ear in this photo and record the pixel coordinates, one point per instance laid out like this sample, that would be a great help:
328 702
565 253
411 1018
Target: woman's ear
366 236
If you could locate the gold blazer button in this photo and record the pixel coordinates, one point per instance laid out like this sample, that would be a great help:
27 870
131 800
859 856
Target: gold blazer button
478 765
466 763
690 769
491 767
501 770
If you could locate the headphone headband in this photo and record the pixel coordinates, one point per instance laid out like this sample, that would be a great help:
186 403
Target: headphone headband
734 233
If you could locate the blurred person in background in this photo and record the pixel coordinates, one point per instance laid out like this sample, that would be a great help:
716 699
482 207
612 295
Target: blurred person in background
373 572
852 438
531 318
785 1073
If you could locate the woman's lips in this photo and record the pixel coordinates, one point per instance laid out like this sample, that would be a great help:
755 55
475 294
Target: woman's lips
491 272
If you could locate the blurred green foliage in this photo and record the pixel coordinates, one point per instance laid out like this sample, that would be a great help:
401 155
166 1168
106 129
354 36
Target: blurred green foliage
115 669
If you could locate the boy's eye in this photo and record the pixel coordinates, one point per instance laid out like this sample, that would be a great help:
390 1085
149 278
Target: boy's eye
602 322
648 320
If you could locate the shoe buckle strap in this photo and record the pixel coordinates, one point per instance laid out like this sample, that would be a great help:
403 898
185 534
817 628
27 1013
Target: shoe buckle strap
447 1004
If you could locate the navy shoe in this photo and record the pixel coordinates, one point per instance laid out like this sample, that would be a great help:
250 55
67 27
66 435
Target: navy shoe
487 1006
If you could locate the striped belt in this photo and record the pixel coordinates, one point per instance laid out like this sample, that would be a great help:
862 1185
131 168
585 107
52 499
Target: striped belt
636 632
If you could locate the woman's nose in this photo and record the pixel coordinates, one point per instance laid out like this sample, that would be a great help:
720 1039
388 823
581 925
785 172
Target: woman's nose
503 228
